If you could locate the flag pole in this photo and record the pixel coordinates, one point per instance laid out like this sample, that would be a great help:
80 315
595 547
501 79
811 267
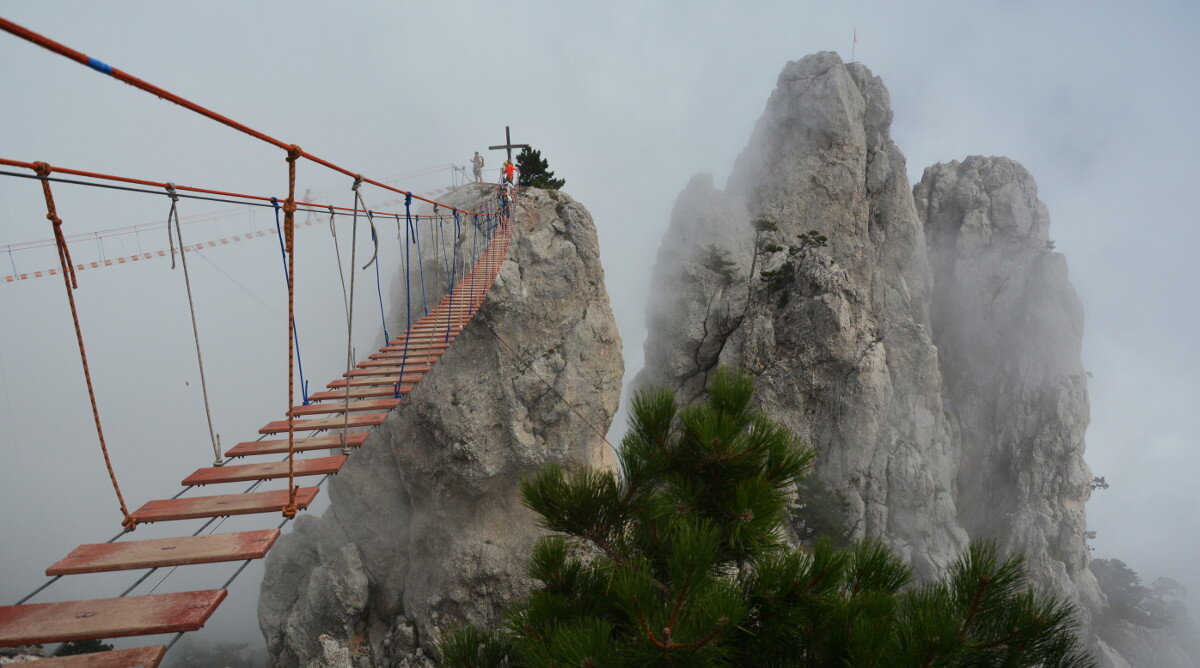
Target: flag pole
853 45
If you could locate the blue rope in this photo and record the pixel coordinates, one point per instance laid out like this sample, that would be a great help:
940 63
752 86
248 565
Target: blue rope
474 259
416 225
407 300
378 280
453 275
288 279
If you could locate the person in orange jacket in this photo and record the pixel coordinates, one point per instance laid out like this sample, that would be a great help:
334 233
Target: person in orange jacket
509 171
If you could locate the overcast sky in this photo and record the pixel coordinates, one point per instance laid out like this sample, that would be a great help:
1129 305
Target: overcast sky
627 100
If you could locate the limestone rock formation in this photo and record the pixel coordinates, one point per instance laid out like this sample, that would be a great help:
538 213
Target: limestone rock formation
930 350
1009 331
840 342
426 528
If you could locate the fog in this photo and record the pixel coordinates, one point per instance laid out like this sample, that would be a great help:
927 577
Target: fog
627 101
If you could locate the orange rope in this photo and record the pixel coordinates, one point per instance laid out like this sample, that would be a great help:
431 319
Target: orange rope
68 271
289 237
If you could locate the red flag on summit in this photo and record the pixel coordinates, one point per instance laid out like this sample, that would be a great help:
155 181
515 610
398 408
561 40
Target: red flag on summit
856 35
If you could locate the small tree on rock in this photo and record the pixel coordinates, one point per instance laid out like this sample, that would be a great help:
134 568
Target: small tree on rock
681 561
535 170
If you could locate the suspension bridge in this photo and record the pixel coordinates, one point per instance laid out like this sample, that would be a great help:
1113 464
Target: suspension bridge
337 419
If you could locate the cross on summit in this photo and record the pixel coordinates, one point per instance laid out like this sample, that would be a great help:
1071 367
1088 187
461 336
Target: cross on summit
507 145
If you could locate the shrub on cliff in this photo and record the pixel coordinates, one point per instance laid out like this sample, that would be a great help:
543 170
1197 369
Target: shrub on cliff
680 561
535 170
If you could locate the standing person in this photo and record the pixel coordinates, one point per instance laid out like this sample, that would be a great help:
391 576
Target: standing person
477 165
509 170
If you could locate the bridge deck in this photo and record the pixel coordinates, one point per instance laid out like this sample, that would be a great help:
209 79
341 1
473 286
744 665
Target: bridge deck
361 393
382 379
39 623
317 424
160 552
263 471
342 407
187 508
147 657
274 447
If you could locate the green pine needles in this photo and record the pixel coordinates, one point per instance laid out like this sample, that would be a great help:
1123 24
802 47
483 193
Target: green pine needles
535 170
683 561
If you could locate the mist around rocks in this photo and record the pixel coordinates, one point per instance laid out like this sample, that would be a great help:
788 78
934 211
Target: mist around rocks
928 347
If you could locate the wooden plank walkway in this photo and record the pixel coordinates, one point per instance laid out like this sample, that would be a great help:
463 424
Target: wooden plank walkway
224 505
160 552
279 446
372 396
39 623
142 657
263 471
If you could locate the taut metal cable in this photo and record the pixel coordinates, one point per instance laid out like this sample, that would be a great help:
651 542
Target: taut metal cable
68 271
173 216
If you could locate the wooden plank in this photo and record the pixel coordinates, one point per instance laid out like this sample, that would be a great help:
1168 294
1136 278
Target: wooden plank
435 339
274 447
387 371
361 393
341 407
263 471
315 424
159 552
399 354
141 657
165 510
40 623
389 380
390 360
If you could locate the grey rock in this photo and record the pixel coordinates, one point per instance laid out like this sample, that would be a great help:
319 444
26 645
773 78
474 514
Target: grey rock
842 350
426 529
1009 331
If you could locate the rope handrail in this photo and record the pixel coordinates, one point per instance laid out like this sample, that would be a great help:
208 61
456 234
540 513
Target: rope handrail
265 199
124 77
125 230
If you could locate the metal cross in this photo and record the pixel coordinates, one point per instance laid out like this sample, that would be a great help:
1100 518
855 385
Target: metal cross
507 145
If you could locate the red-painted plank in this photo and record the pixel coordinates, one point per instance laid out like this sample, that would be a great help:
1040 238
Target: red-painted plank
389 380
274 447
264 471
361 393
315 424
141 657
165 510
39 623
386 370
397 359
340 407
160 552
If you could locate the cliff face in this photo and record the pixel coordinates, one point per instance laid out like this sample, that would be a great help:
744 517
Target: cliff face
425 528
1009 331
840 343
930 350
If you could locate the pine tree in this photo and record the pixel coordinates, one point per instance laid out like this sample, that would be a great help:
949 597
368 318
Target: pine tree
535 170
682 561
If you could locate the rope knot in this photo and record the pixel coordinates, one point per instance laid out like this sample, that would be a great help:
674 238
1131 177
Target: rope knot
42 169
358 181
130 522
294 153
407 199
289 205
171 192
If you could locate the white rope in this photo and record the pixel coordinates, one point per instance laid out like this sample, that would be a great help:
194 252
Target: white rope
350 308
338 252
173 216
